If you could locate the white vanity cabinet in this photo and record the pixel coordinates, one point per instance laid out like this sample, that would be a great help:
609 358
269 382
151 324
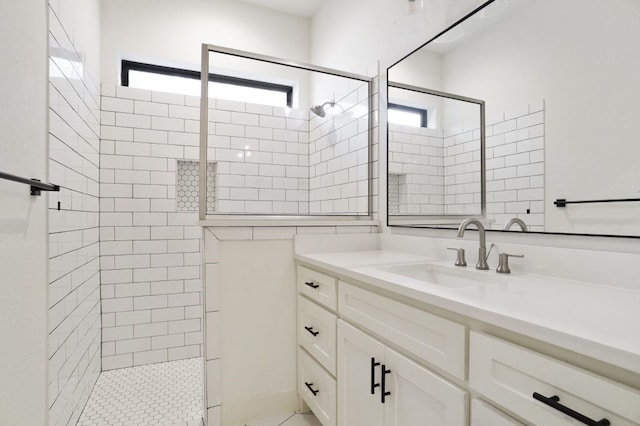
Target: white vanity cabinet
546 391
369 356
379 386
316 336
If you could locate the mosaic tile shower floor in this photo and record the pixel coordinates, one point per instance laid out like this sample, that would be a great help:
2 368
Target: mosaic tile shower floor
168 393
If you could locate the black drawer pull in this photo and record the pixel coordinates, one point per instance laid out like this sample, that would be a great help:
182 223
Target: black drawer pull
374 385
313 391
311 284
384 392
310 330
554 402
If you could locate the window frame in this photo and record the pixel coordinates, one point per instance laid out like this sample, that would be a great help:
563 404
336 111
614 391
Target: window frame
420 111
195 75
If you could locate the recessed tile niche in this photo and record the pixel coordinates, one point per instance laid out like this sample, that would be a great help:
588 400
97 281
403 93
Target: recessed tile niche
187 186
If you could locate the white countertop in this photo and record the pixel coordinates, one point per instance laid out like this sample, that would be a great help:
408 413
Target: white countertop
602 322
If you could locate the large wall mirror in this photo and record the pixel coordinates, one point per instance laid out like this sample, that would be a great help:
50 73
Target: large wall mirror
559 80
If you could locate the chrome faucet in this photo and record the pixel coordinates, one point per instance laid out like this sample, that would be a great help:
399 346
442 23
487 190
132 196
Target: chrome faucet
514 221
482 251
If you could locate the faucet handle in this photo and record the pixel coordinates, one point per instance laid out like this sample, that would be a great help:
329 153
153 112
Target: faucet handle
460 260
503 262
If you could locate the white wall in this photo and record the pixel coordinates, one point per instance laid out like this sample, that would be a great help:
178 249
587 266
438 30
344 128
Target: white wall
250 343
172 32
422 69
349 35
258 329
23 218
81 20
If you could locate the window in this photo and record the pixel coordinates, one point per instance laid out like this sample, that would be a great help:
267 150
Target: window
176 80
407 116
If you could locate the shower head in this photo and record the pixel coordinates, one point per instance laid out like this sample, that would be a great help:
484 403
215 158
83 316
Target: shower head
319 109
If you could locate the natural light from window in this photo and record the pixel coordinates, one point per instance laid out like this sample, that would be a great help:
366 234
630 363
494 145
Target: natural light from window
190 86
404 118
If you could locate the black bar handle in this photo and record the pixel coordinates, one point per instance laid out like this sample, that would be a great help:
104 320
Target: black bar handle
554 402
384 392
310 330
311 284
374 385
313 391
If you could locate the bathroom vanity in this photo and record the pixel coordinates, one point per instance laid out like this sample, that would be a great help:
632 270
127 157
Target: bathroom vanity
390 332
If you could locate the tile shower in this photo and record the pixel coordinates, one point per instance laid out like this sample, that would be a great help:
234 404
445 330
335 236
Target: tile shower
150 239
125 244
148 280
429 169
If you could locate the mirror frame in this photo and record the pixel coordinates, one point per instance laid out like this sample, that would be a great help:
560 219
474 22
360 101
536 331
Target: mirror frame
483 130
444 218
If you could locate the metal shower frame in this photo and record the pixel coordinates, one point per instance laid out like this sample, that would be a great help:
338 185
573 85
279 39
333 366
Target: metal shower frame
204 137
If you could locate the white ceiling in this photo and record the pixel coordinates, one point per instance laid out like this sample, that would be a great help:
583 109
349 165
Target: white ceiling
305 8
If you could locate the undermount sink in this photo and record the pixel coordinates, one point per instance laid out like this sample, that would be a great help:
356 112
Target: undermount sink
446 276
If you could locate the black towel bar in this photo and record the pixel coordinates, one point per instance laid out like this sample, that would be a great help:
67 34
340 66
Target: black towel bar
561 202
35 184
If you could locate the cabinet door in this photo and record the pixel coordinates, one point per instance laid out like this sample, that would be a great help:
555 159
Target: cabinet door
356 404
483 414
419 397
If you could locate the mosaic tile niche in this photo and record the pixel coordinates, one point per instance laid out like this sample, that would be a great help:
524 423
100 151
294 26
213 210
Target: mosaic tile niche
187 184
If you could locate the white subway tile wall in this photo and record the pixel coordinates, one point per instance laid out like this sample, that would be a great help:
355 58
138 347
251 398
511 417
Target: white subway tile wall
74 278
338 159
273 160
261 154
439 172
462 194
416 156
150 239
515 166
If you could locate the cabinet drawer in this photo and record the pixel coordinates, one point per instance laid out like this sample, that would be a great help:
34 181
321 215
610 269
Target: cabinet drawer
317 333
433 339
509 375
483 414
317 388
318 287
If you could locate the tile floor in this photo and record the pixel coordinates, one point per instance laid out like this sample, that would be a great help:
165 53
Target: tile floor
288 419
167 393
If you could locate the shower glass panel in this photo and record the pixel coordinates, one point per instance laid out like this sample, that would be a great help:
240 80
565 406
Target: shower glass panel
308 158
